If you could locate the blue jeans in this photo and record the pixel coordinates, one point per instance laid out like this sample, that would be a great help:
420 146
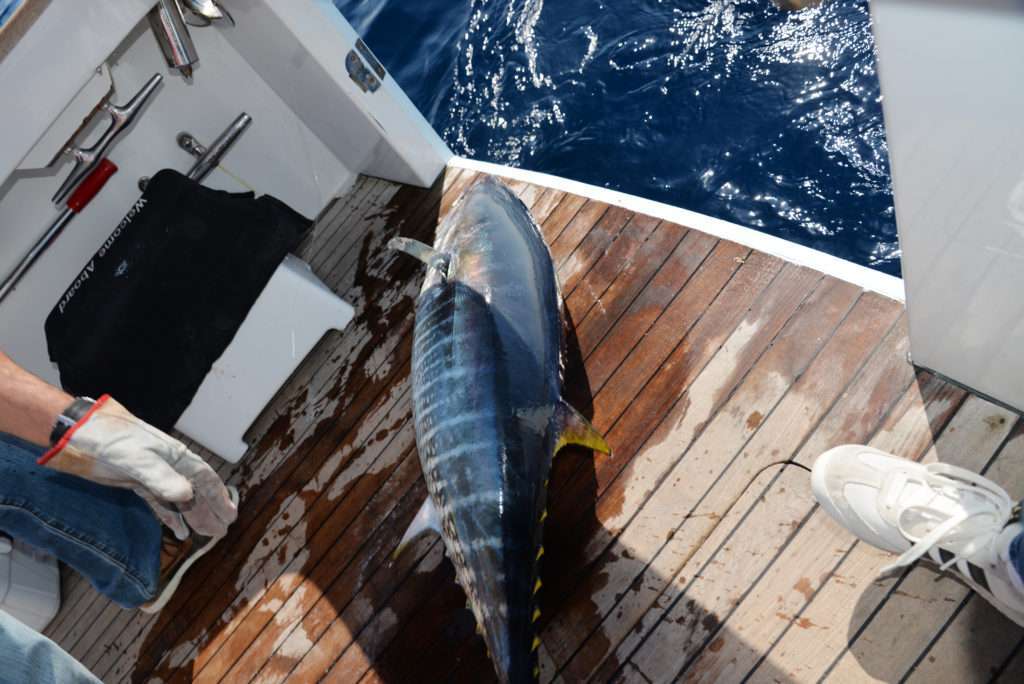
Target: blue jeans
28 656
1017 552
110 536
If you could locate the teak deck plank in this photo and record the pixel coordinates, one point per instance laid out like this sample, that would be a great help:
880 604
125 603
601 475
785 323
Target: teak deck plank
599 244
650 311
977 627
834 429
776 602
921 601
695 551
669 432
814 653
778 435
650 550
648 254
722 571
1013 671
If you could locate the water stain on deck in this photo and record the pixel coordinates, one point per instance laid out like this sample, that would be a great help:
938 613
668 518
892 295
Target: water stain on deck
631 588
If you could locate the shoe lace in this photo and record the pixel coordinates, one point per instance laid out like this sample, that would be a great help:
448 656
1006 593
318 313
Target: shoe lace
983 513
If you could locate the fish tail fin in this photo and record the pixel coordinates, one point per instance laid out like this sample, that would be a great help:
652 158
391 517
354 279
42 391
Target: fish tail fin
574 428
434 259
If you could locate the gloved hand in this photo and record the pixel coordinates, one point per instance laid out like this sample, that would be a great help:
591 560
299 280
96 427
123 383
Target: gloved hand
110 446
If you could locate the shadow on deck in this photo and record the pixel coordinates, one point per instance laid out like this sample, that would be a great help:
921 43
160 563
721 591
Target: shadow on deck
693 552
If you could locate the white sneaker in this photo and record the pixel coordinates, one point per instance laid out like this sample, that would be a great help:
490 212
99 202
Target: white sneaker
937 512
182 557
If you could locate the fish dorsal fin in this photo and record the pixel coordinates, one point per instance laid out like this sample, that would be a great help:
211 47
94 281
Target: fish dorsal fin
426 520
573 428
439 261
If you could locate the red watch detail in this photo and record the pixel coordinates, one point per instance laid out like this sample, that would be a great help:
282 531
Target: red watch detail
59 446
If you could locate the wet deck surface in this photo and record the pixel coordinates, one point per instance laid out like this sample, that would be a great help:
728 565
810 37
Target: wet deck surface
694 552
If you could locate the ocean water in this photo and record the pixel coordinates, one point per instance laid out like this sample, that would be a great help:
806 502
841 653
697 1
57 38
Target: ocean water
7 8
731 108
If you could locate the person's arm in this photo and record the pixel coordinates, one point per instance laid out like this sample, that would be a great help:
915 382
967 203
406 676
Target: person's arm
110 446
29 406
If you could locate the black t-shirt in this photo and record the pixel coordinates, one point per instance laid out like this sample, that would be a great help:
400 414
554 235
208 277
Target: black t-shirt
162 298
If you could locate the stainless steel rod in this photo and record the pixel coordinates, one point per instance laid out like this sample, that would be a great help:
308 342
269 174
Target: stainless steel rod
79 200
38 248
218 148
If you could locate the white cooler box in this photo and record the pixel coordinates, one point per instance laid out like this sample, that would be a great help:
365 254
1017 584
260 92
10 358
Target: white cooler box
292 313
29 584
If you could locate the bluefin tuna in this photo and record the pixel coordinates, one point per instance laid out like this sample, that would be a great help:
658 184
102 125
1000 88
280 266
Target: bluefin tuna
487 368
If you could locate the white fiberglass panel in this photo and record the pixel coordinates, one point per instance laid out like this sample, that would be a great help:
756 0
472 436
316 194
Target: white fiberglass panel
278 154
952 74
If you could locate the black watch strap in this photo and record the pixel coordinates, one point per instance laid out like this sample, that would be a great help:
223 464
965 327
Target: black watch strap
71 415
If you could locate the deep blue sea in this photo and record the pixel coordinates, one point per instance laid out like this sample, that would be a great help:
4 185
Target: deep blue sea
7 8
732 108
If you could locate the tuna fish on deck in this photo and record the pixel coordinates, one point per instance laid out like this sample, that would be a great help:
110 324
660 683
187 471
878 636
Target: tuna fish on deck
487 375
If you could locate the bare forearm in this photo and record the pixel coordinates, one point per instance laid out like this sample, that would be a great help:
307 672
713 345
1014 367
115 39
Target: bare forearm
28 405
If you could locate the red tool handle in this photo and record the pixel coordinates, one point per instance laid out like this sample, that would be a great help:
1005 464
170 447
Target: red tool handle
92 184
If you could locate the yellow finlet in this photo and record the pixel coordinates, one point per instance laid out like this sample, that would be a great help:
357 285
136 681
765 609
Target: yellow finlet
575 429
537 586
536 671
544 515
536 614
536 643
540 552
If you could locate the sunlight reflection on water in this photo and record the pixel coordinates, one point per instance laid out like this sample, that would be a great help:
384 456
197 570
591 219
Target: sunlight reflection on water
732 108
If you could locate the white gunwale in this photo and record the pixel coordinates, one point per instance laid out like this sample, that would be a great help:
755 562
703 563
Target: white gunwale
867 278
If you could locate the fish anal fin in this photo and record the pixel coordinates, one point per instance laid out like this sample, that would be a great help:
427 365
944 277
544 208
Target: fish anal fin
574 428
427 520
434 259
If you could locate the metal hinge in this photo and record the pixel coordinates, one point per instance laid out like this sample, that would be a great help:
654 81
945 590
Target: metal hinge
367 78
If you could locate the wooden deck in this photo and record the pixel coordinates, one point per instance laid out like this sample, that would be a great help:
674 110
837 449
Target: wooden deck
695 552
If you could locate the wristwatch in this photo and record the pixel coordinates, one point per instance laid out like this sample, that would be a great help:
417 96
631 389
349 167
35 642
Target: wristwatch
75 411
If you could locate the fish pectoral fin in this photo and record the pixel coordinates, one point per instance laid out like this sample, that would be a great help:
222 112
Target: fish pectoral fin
573 428
434 259
426 520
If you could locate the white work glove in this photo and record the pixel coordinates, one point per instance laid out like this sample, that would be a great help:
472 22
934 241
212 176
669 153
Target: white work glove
110 446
